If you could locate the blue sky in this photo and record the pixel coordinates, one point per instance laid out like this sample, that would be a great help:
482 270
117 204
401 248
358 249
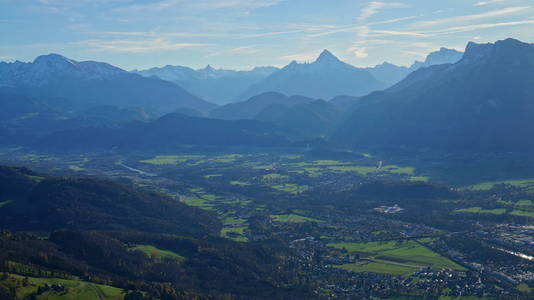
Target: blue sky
245 33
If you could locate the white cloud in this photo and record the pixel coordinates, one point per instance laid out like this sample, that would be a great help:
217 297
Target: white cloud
379 33
245 50
308 56
374 7
474 17
166 5
359 52
139 46
457 29
488 2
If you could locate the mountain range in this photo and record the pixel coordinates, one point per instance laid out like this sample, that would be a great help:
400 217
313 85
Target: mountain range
325 78
306 116
218 86
390 74
483 103
89 83
328 75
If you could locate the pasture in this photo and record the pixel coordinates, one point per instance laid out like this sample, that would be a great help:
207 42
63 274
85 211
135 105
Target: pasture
394 257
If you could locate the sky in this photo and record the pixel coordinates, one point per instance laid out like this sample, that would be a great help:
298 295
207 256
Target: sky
241 34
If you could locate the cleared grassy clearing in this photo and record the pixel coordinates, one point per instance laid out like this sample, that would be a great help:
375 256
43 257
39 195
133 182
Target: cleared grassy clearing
227 158
361 170
479 210
396 257
237 202
75 289
367 170
2 204
230 221
36 178
293 218
292 156
274 176
484 186
198 202
524 288
235 233
242 183
520 203
36 157
370 247
522 213
76 168
263 167
419 179
157 253
291 188
381 268
328 162
212 176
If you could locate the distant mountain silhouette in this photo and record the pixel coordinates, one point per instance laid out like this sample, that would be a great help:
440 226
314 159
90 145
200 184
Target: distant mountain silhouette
325 78
215 85
484 102
309 119
91 83
167 133
442 56
390 74
252 107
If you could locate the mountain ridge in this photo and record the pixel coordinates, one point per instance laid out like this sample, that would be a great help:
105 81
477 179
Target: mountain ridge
91 83
481 103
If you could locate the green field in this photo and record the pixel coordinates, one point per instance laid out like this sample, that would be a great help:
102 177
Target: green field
2 204
479 210
379 267
274 176
328 162
522 213
76 168
212 176
171 159
230 220
293 218
520 203
291 188
524 288
235 233
156 253
395 257
367 170
483 186
163 160
419 179
198 202
241 183
75 289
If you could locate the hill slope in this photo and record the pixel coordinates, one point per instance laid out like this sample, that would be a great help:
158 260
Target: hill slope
168 132
45 204
481 103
